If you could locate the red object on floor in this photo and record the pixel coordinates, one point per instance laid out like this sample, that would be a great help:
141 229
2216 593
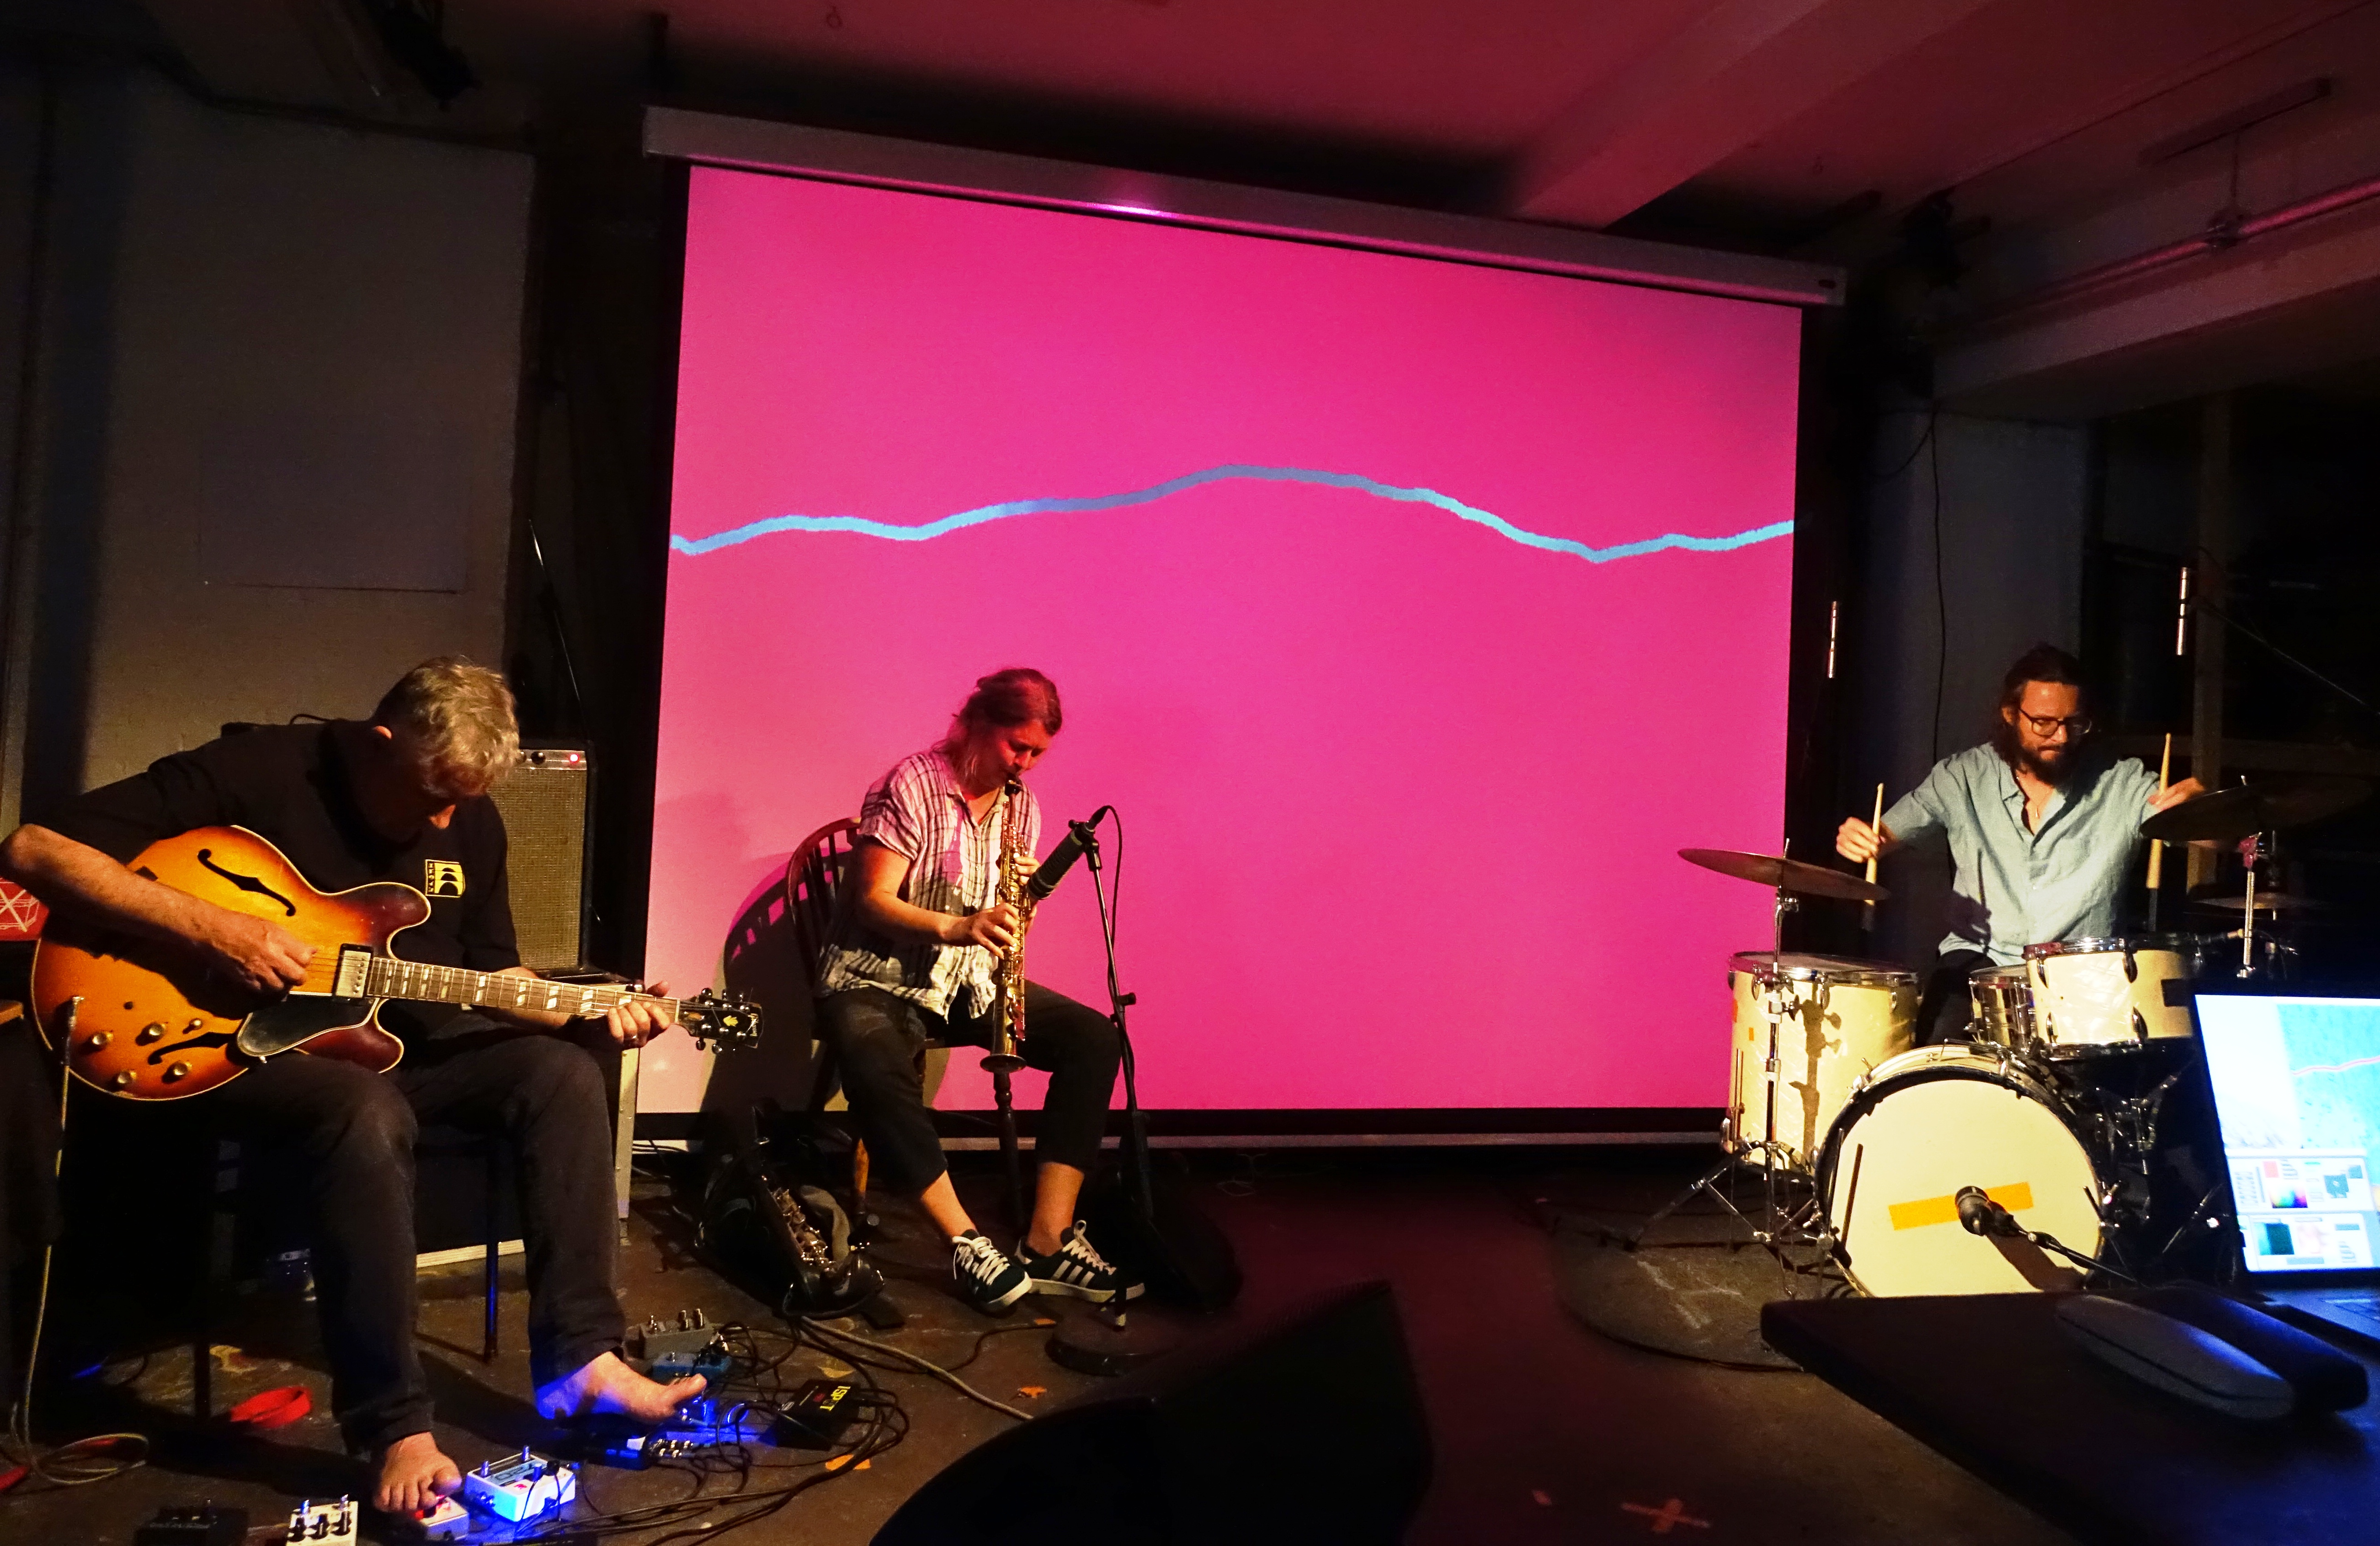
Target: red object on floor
10 1476
273 1408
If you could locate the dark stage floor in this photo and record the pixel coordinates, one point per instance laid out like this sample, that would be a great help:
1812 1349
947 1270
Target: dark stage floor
1545 1432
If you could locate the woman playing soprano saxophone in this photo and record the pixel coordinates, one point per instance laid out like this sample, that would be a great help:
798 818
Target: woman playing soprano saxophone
914 957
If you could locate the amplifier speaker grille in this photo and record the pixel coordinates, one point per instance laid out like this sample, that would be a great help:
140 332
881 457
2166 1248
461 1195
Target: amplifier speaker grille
545 805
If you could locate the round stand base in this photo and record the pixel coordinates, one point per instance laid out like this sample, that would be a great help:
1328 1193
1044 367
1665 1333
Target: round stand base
1104 1342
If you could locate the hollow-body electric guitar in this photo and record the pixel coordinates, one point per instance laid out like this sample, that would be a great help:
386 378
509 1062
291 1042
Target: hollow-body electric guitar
146 1020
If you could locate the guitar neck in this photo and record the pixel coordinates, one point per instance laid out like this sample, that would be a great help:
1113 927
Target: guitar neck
422 983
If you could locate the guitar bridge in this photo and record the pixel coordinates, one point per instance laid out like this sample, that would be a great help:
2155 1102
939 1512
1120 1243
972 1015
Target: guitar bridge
354 973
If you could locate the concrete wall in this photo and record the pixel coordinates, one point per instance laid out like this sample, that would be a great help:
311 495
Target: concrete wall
273 461
2014 508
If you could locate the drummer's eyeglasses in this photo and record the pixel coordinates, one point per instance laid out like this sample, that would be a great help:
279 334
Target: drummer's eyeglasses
2043 725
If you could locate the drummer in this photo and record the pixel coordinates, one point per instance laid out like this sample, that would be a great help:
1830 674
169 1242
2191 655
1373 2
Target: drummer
2041 826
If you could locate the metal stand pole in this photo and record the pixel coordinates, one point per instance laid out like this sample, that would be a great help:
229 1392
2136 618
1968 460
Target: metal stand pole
1004 1097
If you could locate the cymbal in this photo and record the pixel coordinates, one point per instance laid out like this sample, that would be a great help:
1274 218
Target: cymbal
2266 901
1791 873
2277 800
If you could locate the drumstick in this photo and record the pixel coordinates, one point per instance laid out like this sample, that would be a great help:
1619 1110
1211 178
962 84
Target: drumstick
2156 848
1867 910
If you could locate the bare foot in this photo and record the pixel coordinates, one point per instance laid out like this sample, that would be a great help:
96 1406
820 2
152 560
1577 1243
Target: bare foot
414 1474
609 1385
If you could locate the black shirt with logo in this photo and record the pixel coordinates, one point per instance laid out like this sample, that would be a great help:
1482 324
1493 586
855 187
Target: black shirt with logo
290 786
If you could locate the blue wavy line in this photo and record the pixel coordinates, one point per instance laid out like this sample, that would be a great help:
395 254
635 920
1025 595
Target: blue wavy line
695 547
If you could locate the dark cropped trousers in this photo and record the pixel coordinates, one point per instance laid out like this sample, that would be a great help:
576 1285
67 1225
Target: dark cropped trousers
349 1132
876 1037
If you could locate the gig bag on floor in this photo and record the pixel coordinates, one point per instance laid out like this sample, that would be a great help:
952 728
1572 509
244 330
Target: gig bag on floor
787 1242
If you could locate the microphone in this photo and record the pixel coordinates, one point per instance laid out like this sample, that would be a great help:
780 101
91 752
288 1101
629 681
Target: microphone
1978 1214
1062 858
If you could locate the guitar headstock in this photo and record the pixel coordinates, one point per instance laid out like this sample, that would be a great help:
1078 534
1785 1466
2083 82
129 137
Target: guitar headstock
728 1025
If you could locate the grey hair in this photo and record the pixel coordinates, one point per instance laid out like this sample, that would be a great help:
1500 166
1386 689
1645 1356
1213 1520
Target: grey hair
457 721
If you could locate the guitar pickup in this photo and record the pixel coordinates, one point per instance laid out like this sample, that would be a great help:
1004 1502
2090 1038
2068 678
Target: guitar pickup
354 973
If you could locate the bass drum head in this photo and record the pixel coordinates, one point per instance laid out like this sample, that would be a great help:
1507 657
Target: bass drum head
1929 1123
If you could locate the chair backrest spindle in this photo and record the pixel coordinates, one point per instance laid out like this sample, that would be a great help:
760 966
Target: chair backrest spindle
814 881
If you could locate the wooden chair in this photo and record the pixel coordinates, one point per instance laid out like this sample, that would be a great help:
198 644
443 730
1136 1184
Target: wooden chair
815 878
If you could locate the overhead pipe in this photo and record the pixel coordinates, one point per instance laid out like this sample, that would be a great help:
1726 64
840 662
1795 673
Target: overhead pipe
2220 236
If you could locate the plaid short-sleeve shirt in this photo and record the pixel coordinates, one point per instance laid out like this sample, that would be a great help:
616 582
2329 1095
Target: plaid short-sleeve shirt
918 811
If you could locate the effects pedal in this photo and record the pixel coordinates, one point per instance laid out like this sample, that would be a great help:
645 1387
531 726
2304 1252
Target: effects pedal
332 1522
527 1486
446 1520
193 1525
818 1415
671 1352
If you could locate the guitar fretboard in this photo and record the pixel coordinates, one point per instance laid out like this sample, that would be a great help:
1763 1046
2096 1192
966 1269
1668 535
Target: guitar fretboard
392 978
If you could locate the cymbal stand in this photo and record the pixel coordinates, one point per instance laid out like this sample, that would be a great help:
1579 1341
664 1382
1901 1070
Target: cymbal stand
2250 850
1774 1229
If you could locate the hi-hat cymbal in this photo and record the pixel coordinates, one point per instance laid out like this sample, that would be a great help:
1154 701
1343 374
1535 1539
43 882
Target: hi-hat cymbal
2272 802
1767 869
2266 901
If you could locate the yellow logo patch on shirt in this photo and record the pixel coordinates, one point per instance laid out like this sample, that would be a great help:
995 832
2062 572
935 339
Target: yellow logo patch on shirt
442 877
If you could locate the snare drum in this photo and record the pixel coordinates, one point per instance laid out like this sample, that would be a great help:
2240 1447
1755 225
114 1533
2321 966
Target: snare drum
1854 1014
1937 1119
2002 1001
2099 998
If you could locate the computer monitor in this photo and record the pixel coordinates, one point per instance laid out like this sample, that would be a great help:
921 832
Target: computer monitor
2296 1084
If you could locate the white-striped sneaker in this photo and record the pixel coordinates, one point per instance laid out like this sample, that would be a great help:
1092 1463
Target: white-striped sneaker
1074 1268
991 1281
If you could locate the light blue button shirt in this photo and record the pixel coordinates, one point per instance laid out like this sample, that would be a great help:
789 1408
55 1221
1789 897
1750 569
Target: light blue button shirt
2012 888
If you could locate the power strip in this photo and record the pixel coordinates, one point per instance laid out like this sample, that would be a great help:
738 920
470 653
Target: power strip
332 1522
528 1486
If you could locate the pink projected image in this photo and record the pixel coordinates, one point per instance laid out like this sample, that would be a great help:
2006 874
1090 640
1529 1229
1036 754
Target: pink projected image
1411 613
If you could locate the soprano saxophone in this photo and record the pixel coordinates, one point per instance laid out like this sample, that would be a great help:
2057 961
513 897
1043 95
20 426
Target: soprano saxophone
1008 982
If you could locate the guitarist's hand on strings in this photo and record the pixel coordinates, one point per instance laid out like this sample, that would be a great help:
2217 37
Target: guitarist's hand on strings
251 952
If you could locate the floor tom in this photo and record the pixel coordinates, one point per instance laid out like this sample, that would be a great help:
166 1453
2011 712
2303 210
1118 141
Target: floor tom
1841 1017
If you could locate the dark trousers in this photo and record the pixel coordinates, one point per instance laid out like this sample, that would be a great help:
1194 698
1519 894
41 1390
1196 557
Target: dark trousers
351 1132
876 1038
1944 1009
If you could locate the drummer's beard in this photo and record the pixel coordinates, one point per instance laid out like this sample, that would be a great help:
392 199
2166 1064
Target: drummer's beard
2051 764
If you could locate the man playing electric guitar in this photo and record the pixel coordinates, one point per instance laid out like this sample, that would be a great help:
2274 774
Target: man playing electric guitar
401 797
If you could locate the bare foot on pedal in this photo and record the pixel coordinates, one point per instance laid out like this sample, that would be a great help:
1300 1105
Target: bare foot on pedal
609 1385
414 1473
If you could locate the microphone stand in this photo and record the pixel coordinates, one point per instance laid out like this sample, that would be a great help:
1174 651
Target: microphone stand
1997 1223
1111 1343
1136 1122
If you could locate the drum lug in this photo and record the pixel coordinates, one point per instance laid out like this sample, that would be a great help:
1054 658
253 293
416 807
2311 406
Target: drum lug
2139 1026
2131 974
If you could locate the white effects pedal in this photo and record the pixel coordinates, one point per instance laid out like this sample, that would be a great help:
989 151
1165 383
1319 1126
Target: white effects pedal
333 1523
522 1487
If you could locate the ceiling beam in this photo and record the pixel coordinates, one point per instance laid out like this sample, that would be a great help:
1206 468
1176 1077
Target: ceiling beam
1743 69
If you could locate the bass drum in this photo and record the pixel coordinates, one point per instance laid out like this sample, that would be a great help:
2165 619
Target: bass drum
1928 1123
1853 1016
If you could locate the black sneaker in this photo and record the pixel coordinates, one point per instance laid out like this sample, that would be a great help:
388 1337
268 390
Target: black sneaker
990 1281
1074 1268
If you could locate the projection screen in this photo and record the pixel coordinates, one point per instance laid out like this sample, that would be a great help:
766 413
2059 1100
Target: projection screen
1413 613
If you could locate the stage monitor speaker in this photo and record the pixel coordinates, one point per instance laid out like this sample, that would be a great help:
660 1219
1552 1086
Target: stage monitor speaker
546 803
1303 1427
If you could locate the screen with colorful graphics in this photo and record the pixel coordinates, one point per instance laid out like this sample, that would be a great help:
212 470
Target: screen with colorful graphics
1412 614
2297 1094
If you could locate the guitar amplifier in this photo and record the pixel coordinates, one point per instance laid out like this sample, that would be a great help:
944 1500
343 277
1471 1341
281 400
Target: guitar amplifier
546 804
